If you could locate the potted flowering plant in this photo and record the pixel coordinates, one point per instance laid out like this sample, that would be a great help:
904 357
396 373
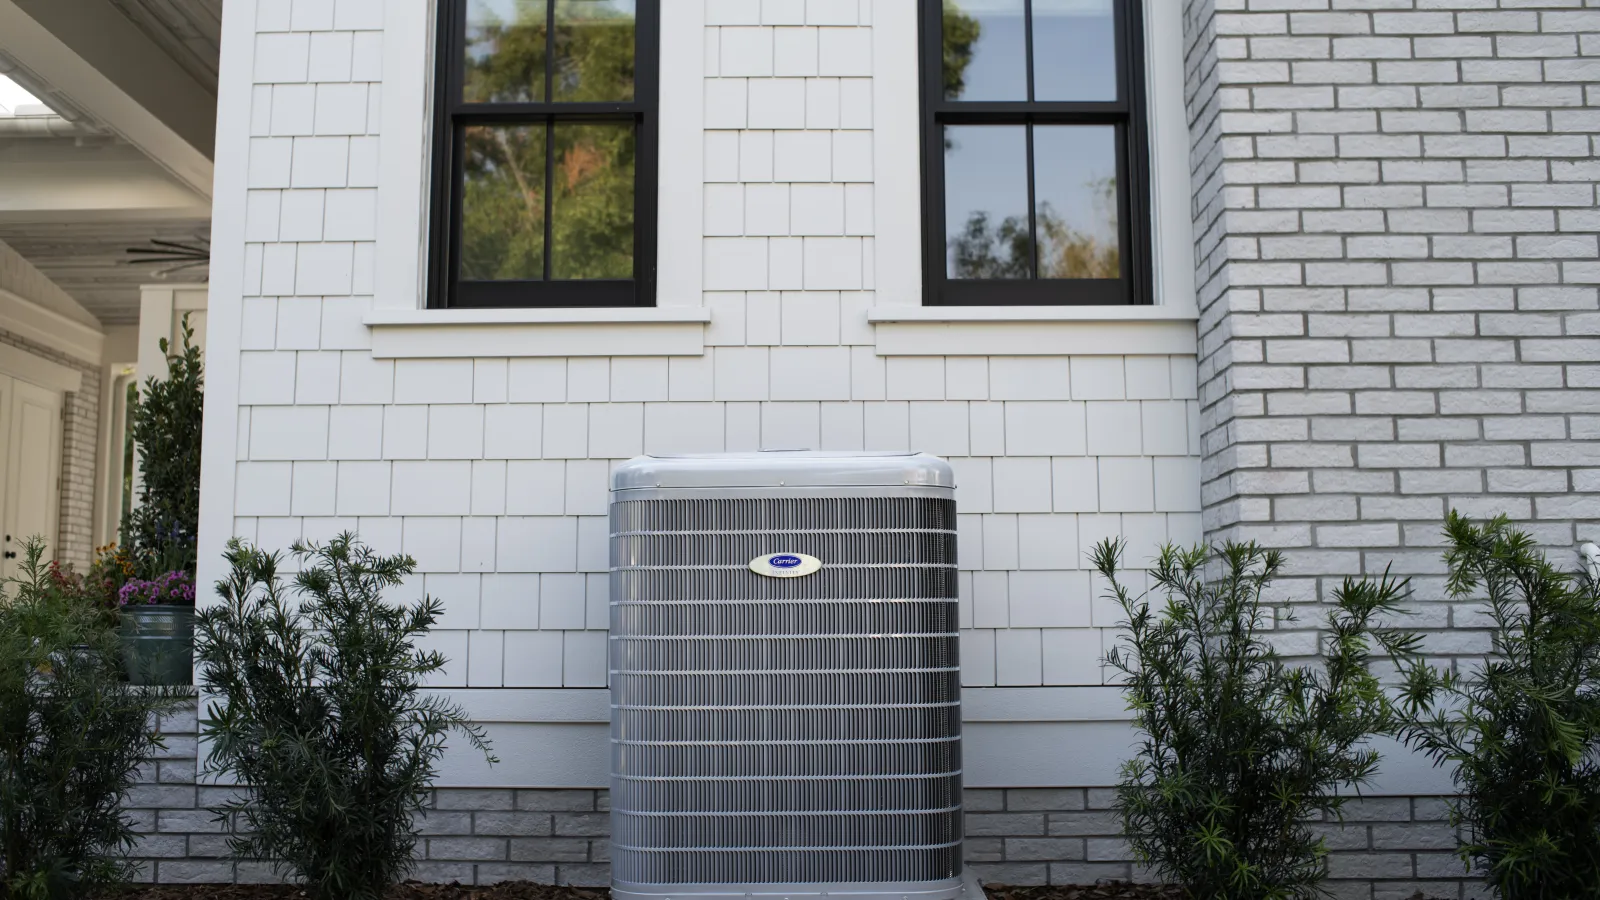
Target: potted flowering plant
157 617
154 570
95 590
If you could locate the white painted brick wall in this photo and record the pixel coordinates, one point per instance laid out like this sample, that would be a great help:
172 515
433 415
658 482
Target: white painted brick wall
1398 246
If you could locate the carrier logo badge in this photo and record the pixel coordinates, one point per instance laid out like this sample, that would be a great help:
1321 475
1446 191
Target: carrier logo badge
785 565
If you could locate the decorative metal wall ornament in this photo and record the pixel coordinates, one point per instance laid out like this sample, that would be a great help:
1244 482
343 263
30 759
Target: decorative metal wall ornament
181 255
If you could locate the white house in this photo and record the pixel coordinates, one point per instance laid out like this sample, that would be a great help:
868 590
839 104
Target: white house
1310 272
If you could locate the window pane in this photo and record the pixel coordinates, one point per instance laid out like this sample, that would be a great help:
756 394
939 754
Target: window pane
985 50
1075 187
505 41
502 204
594 50
591 231
1074 50
986 201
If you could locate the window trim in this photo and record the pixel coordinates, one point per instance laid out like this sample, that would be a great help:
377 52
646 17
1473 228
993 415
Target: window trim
443 220
1136 288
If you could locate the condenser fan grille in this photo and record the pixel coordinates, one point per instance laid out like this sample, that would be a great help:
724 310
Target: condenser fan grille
785 730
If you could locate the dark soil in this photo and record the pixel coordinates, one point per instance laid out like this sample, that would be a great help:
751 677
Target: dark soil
1108 890
411 890
527 890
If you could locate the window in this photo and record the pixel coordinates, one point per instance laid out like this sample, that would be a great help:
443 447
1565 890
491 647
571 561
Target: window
544 153
1036 179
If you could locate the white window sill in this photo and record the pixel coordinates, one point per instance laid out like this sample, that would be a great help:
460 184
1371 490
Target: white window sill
879 314
1034 330
557 316
612 331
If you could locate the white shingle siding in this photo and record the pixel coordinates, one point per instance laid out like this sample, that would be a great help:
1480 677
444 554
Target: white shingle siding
499 466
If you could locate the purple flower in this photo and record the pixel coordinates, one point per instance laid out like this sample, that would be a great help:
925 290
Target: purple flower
174 587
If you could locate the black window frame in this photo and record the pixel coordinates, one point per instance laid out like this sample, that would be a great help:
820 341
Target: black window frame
1128 112
452 116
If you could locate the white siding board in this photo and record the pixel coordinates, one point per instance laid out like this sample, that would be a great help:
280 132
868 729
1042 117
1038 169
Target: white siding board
789 215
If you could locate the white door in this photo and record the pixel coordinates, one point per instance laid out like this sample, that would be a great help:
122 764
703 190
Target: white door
30 435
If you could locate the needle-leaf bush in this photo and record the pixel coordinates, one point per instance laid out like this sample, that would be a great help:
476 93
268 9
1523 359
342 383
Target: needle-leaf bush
1240 753
1521 731
73 737
320 713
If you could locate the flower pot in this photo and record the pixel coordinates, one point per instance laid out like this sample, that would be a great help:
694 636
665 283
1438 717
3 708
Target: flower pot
158 644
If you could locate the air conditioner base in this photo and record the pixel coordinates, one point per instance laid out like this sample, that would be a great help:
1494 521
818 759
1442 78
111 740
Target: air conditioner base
964 887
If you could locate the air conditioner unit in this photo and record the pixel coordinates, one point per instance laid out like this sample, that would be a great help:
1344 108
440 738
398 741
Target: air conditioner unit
785 684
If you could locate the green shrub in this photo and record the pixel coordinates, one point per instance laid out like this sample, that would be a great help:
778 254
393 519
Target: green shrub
322 715
73 735
1240 753
1523 731
159 533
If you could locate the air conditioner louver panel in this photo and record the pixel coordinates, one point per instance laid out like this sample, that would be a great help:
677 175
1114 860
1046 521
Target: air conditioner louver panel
788 795
797 761
785 731
785 689
791 617
842 551
883 652
784 514
786 865
928 721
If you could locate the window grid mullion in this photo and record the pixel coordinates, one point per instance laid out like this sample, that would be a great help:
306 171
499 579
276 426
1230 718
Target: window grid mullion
1119 34
510 112
1027 138
1124 218
549 188
1054 108
453 147
1033 215
458 190
1027 43
549 55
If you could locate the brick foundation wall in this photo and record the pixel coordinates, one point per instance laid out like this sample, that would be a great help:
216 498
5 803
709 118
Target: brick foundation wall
1387 849
469 836
80 435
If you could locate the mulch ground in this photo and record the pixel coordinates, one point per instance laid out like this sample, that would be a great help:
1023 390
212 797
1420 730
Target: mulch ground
509 890
527 890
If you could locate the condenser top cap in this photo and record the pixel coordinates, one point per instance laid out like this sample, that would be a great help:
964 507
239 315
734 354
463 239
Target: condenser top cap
782 468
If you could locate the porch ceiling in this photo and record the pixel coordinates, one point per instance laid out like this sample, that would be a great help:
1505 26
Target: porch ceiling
136 81
190 31
87 260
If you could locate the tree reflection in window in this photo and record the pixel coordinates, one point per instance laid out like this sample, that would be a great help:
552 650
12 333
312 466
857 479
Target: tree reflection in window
1034 146
594 58
548 127
505 51
592 222
502 205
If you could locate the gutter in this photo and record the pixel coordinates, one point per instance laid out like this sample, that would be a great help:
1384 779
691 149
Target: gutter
41 127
